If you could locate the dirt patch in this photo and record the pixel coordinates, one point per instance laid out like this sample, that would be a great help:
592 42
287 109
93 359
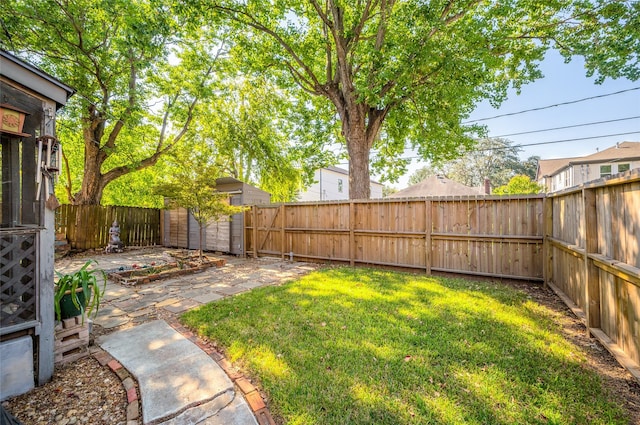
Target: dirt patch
82 392
622 386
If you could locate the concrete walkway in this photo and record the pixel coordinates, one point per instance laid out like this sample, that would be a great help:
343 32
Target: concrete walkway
179 383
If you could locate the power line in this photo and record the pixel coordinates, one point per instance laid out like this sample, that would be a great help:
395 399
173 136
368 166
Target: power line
567 126
540 108
576 139
527 144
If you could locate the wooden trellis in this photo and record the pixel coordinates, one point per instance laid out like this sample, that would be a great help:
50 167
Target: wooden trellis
18 278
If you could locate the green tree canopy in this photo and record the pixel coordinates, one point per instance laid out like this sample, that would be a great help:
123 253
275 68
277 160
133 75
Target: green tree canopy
404 73
496 159
519 185
259 135
139 72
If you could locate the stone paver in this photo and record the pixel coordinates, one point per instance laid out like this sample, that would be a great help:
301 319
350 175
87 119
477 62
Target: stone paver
231 290
182 306
168 301
111 322
141 312
207 298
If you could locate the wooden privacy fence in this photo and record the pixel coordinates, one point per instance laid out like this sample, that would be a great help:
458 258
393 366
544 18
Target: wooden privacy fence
87 226
594 260
488 236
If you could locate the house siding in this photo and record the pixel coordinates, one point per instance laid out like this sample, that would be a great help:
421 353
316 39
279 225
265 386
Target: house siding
331 185
578 174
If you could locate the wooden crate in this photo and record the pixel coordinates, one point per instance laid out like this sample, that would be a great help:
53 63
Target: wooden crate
71 340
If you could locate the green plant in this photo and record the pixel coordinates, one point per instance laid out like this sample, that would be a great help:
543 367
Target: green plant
83 288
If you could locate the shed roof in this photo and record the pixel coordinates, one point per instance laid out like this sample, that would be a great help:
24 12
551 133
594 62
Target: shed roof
437 186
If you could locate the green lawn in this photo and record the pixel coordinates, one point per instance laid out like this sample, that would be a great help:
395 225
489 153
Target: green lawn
363 346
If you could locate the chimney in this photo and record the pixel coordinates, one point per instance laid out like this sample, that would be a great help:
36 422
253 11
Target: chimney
487 186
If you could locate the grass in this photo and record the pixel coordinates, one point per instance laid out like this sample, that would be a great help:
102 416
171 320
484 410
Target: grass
362 346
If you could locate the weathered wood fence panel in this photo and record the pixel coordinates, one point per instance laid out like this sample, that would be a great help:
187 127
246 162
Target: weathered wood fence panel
491 236
87 226
595 260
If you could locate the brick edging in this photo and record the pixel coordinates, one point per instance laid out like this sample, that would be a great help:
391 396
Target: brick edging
249 391
128 382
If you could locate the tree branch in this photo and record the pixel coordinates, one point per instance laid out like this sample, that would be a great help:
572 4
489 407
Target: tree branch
375 119
68 187
321 13
254 23
357 30
448 20
329 64
111 141
301 81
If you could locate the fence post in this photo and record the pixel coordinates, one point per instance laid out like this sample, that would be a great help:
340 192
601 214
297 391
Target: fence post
547 249
591 274
255 231
352 237
282 225
427 236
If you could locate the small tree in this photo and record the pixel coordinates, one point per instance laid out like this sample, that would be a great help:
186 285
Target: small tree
193 186
519 185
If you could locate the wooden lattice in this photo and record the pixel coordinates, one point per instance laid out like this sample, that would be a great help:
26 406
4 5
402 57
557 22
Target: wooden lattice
17 278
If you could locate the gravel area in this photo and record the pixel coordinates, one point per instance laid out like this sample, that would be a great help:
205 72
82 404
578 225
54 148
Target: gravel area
81 392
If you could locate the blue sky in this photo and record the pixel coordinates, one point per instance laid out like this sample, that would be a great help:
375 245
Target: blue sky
562 83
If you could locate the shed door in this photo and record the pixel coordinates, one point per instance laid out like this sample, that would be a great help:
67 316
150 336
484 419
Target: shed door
217 236
177 234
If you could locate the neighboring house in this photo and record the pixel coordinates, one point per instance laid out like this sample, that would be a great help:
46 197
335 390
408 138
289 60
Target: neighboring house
29 99
332 184
561 173
437 186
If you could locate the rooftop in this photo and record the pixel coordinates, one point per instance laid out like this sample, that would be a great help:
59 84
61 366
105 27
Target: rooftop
619 152
437 186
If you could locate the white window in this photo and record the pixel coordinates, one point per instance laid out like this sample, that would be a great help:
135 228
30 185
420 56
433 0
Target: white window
605 170
623 167
340 185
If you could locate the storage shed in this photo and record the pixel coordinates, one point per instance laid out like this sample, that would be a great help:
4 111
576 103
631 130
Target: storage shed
181 230
29 154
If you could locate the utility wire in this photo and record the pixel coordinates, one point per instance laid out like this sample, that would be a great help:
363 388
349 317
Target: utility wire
556 141
527 144
540 108
567 126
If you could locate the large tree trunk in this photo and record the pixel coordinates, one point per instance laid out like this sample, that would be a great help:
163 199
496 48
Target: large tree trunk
360 126
359 148
95 154
92 180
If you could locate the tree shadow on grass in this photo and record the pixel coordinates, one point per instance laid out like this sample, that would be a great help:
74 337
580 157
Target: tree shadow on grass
361 346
